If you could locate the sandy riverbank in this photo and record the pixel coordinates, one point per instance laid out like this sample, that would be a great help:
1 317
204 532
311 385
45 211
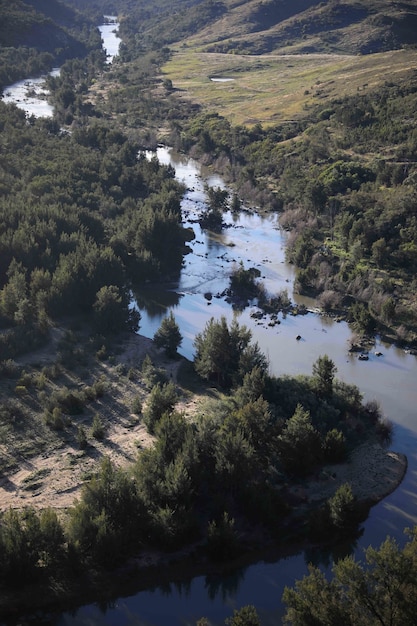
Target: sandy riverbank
372 471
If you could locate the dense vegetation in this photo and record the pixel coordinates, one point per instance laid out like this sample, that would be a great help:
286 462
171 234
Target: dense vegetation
81 212
85 218
342 173
207 478
36 36
345 184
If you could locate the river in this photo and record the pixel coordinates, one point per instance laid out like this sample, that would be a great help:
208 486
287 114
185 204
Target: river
390 379
31 95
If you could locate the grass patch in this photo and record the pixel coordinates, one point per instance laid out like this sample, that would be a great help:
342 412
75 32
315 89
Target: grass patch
274 88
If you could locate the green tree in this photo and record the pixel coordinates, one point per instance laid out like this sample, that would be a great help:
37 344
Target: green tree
226 354
381 592
82 438
379 252
111 311
342 509
324 371
162 399
110 518
97 428
20 545
52 545
299 444
334 446
222 539
168 336
246 616
361 317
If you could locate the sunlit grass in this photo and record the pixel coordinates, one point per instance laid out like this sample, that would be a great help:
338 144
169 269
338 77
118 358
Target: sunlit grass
273 88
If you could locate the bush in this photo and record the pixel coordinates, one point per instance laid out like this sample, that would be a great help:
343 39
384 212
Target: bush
137 405
81 438
53 419
97 429
161 400
151 374
9 369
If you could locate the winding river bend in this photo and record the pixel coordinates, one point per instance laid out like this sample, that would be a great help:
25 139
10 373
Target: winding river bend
32 96
390 379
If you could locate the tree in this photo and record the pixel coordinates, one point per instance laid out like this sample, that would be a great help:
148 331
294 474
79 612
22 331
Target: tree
334 446
382 592
110 518
342 509
217 203
222 539
246 616
226 354
111 311
324 371
161 400
168 336
299 443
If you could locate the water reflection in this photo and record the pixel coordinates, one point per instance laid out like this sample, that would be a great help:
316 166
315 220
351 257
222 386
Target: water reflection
224 586
325 557
156 303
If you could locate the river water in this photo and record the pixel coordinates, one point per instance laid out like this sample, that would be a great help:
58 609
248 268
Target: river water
31 95
390 379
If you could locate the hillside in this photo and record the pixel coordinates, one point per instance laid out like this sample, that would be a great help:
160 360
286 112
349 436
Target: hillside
349 26
35 35
259 27
40 25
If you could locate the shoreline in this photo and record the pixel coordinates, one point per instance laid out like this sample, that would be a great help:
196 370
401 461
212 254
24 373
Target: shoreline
373 471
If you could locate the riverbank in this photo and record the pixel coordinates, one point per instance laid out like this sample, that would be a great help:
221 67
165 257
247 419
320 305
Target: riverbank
372 471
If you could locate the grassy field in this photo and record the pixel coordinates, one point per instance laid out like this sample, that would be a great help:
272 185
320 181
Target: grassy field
274 88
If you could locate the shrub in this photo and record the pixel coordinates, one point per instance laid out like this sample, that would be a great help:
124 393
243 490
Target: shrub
97 429
137 405
81 438
53 419
161 400
9 369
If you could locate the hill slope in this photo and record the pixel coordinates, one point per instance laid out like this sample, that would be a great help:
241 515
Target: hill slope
346 26
262 26
45 26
